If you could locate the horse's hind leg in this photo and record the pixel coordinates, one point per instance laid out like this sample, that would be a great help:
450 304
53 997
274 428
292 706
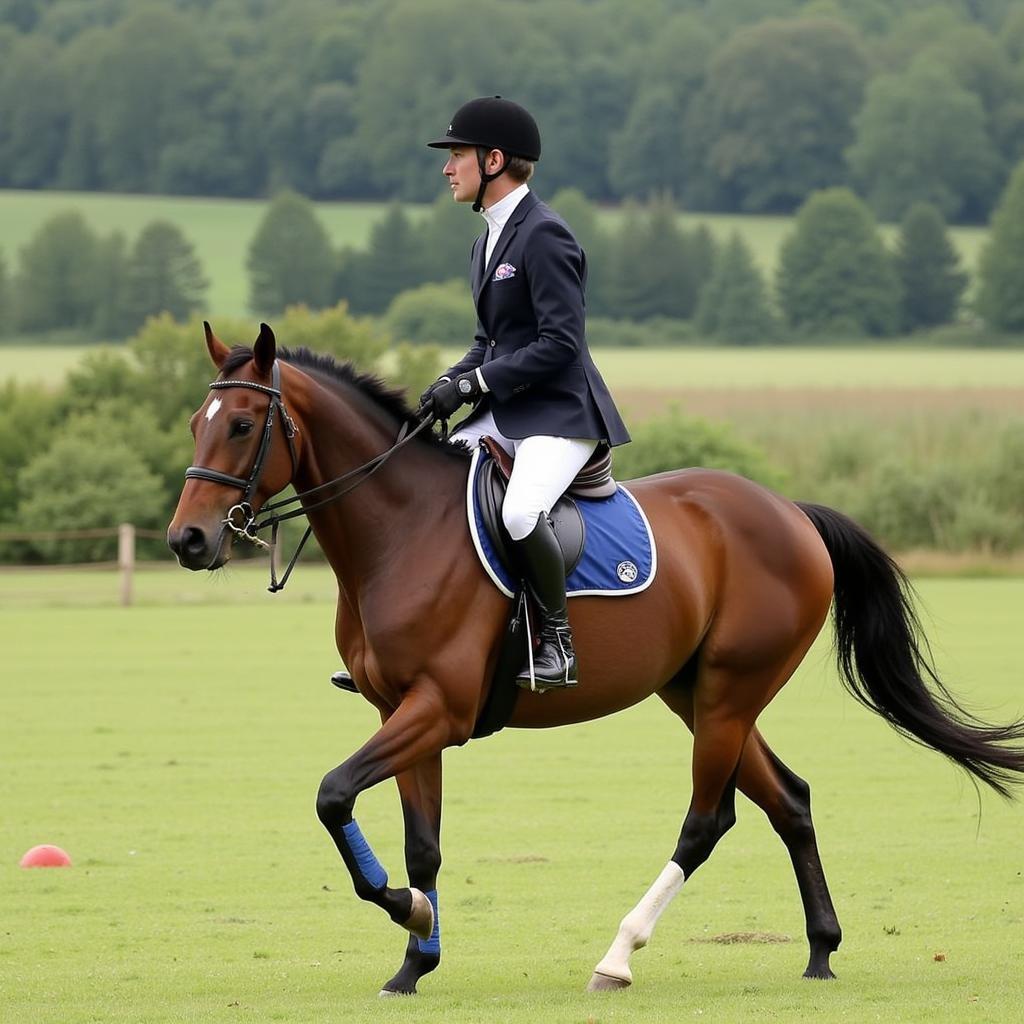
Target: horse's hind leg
420 789
786 799
721 726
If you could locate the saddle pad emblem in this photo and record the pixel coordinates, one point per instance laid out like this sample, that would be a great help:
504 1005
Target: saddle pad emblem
620 556
504 272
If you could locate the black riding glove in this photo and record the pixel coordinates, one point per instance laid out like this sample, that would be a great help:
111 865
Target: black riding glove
425 397
453 393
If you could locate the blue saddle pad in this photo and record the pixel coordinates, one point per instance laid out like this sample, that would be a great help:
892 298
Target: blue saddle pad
619 555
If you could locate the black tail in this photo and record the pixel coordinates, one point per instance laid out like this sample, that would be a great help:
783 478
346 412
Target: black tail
884 658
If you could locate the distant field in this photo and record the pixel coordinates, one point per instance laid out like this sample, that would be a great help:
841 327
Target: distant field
720 369
175 753
221 229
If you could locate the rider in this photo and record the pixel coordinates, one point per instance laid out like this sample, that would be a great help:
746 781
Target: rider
530 374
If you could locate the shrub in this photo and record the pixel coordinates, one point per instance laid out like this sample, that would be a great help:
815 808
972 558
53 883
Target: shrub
79 483
440 314
676 441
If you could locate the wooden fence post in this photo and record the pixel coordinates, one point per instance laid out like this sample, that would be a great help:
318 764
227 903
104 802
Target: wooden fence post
126 560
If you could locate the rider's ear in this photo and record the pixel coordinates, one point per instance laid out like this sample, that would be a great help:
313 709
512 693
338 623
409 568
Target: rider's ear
265 350
217 349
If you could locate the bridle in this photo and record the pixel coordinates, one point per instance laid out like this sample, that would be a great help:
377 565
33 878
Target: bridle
248 527
248 486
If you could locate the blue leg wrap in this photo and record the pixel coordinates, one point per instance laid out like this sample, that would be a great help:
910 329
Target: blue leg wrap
371 869
433 944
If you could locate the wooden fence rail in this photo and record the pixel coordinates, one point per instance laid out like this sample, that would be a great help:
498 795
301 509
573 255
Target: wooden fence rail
126 534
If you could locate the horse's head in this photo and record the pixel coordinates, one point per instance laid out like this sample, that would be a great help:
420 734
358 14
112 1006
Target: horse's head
246 452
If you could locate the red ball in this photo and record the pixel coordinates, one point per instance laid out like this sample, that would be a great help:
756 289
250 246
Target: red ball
46 856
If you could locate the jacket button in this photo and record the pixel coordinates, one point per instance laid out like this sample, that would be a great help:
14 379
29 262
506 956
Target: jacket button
493 343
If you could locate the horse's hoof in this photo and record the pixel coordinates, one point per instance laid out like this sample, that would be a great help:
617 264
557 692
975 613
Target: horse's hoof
820 974
421 920
386 993
606 983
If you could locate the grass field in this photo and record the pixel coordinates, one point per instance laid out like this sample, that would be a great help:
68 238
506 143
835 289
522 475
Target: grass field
221 230
882 368
175 752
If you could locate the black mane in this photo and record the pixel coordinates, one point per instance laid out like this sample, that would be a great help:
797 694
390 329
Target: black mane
391 400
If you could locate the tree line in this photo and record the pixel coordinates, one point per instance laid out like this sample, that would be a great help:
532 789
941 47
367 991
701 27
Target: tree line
650 279
742 106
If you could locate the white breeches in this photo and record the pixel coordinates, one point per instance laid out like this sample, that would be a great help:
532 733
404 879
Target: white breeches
544 468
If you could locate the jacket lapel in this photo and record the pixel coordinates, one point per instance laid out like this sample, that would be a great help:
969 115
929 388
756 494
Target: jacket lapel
508 232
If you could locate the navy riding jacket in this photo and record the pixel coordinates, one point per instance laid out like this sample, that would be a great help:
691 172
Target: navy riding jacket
531 348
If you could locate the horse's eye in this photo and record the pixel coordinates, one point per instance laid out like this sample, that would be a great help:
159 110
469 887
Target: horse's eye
241 427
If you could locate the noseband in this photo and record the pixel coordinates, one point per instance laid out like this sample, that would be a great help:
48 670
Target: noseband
248 527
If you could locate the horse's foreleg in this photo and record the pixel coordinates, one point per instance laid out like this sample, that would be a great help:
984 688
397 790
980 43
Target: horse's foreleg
418 729
420 789
786 799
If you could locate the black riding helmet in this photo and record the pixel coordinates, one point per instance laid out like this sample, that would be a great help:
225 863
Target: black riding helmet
491 122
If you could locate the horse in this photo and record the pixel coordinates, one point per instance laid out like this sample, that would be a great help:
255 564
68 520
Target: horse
744 584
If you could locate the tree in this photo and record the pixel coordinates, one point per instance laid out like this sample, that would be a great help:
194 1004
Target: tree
835 276
927 266
938 130
646 154
164 275
445 239
56 282
775 113
733 305
290 259
34 104
581 216
392 263
138 85
1001 268
111 317
5 297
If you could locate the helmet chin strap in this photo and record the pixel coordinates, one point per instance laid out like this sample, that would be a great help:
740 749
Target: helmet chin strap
485 178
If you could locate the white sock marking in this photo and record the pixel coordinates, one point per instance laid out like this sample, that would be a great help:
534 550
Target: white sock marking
638 925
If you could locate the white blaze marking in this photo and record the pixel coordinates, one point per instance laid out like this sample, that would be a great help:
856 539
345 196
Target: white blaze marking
214 407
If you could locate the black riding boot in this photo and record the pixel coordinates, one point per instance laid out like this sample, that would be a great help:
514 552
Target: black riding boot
343 681
554 662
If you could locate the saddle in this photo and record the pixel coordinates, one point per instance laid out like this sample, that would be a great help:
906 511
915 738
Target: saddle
593 481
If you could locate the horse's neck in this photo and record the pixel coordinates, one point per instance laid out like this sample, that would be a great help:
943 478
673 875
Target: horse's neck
364 531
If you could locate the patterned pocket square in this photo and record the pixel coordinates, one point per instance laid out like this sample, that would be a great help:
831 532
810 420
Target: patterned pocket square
504 272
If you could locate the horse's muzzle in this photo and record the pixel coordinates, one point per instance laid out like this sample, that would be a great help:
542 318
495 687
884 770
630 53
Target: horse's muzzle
194 547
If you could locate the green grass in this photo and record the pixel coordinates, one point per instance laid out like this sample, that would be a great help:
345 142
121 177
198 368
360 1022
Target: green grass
175 752
877 367
221 230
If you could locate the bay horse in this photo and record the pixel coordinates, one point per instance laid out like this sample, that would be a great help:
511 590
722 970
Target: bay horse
744 583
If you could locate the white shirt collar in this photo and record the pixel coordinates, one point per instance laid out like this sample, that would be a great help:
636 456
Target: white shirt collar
497 215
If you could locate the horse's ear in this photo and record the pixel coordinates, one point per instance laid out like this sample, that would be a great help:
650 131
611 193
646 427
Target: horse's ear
265 350
217 349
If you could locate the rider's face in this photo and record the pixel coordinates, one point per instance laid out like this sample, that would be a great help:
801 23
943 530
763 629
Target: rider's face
463 171
463 174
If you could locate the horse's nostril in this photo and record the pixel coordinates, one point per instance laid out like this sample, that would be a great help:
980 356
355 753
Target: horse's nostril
193 541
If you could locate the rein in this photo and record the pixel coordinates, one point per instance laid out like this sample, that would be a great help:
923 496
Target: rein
249 527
